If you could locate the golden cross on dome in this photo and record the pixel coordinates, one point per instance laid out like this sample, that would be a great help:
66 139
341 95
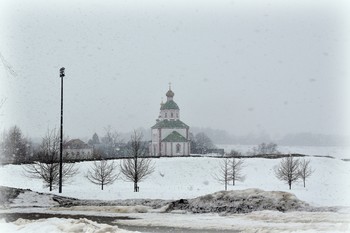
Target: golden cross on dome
169 85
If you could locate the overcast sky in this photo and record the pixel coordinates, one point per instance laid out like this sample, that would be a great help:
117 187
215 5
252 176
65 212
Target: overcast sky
243 66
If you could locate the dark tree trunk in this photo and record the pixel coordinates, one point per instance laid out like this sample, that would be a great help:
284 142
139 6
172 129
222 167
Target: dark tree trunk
135 187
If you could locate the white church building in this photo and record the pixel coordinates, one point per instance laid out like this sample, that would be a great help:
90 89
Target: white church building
170 136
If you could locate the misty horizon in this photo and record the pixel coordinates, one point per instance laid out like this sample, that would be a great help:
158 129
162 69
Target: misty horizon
249 69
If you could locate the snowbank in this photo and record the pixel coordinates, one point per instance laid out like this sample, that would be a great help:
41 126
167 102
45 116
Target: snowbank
241 201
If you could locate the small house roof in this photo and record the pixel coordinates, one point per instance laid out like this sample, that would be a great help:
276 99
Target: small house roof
76 144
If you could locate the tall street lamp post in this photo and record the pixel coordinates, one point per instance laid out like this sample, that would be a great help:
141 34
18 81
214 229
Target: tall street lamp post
61 136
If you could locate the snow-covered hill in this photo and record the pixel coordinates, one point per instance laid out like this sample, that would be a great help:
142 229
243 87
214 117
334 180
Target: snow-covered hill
176 178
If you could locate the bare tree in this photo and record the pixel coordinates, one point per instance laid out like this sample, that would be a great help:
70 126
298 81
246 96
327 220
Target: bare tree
102 173
138 167
224 174
288 170
236 170
46 167
111 141
236 166
305 170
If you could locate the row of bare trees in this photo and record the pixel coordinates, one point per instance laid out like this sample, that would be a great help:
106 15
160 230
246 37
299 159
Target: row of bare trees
289 170
46 167
230 169
135 169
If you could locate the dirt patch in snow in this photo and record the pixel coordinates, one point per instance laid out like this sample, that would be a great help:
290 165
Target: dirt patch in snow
241 201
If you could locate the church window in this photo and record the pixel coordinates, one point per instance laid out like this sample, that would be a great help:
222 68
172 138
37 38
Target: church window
178 148
166 115
172 115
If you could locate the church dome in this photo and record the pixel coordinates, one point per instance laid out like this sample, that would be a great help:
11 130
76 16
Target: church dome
170 93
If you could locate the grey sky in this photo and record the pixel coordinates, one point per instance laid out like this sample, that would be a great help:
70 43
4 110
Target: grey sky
244 67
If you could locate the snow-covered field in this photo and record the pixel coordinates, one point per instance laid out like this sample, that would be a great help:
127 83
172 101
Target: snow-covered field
176 178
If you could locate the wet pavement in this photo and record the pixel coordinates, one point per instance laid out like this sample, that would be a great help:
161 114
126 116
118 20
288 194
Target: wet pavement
11 217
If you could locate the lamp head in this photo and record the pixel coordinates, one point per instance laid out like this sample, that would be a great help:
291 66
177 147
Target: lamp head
62 72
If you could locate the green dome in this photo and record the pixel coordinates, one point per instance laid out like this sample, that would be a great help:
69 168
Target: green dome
170 104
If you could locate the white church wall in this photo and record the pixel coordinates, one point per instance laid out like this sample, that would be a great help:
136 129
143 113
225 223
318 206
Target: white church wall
169 148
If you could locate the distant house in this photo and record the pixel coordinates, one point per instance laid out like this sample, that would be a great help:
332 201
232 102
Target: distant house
76 149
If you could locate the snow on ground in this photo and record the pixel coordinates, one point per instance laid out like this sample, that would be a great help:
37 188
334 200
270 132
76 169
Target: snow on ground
176 178
57 225
28 199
